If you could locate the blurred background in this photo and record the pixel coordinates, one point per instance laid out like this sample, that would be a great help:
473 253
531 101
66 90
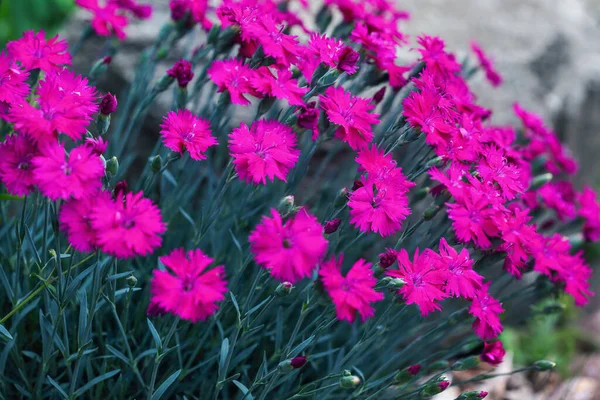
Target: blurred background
549 55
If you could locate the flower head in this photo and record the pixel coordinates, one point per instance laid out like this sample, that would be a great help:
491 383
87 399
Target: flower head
107 19
96 145
235 77
486 311
493 353
188 289
34 51
279 84
352 114
461 279
352 293
589 209
75 221
266 149
13 81
60 176
128 225
289 249
16 169
182 71
492 76
108 104
182 131
308 118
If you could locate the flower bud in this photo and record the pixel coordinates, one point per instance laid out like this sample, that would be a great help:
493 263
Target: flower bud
493 353
109 103
387 259
466 363
348 59
540 181
131 280
107 60
121 188
156 163
284 289
332 226
99 68
431 212
378 96
341 199
544 365
182 71
96 145
421 194
414 369
112 166
286 205
308 117
142 11
349 382
438 366
396 284
473 395
298 362
434 388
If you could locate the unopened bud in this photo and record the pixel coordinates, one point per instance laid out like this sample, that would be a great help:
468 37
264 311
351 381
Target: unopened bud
466 363
52 253
421 194
156 163
284 289
332 226
473 395
434 161
438 366
341 199
387 259
329 78
396 284
431 212
378 96
348 59
540 181
131 280
109 104
286 205
182 71
298 362
308 117
112 166
544 365
349 382
434 388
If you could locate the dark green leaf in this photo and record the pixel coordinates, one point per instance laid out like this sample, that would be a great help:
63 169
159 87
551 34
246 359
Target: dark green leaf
244 390
155 335
223 356
298 349
96 381
4 332
57 386
165 385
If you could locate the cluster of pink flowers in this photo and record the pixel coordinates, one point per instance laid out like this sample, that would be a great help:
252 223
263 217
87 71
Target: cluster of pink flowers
110 17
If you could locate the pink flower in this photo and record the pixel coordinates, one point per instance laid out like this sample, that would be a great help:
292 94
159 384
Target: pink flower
490 73
559 196
266 149
290 250
34 51
280 85
13 87
188 289
423 280
493 353
183 131
75 221
334 53
107 20
519 238
108 104
235 77
16 170
429 112
127 226
589 209
96 145
267 33
308 118
60 175
575 274
461 280
494 167
352 114
141 11
66 104
486 311
435 57
182 71
352 293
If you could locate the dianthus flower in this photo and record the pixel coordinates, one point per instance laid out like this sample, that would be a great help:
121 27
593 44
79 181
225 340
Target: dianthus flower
493 353
280 85
352 114
60 176
486 311
107 20
141 11
16 170
518 239
34 51
14 87
96 145
188 289
75 221
560 197
490 72
266 149
308 118
423 280
429 111
290 250
435 56
235 77
575 274
589 209
549 254
334 53
352 293
494 167
183 131
66 104
127 226
268 34
461 279
182 71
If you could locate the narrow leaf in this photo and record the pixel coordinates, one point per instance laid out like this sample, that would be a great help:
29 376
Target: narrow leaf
223 356
155 335
57 386
4 332
244 390
298 349
165 385
96 381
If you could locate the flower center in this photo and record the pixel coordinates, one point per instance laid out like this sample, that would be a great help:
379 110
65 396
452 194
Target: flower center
287 244
23 166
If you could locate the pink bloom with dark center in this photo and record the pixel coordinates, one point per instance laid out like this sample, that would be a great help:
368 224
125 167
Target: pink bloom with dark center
490 72
34 51
493 353
290 250
352 114
235 77
388 258
127 226
13 81
266 149
486 311
461 279
353 293
423 280
59 175
75 221
182 71
279 84
16 169
66 104
107 19
188 288
183 131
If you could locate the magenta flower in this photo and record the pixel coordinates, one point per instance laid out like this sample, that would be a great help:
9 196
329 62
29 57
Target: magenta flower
75 221
494 167
235 77
66 104
141 11
290 250
268 34
266 149
486 311
182 71
518 239
493 353
188 289
108 104
107 20
13 87
575 274
96 145
16 169
461 279
353 293
183 131
589 209
280 85
34 51
352 114
490 72
127 226
423 280
334 53
59 175
436 58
